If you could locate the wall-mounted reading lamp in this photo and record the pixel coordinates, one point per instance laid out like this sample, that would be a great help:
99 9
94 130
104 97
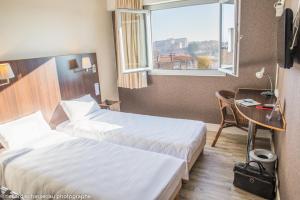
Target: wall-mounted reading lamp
259 75
86 65
6 73
279 7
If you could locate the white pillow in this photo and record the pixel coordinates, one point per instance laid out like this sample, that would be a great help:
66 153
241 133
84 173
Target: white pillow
18 133
78 109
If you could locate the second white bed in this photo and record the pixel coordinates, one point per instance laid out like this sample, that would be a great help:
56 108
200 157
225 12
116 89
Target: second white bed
184 139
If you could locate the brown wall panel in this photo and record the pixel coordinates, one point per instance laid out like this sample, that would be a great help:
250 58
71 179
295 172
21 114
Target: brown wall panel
34 88
74 83
40 84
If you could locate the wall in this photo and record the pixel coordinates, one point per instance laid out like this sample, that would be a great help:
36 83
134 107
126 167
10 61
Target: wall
35 28
194 97
111 5
288 144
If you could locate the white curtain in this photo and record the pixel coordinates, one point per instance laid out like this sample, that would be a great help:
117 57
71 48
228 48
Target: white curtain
135 50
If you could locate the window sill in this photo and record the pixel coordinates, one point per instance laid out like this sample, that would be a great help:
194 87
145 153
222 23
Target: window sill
187 73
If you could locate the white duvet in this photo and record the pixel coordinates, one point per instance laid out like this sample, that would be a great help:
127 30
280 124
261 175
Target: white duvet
177 137
58 164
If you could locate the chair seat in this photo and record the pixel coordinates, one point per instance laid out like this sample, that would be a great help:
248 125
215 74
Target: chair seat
229 118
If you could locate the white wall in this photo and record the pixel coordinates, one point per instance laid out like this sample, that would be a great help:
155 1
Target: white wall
38 28
111 5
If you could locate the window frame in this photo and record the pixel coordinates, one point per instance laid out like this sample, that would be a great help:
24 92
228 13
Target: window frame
201 72
149 66
237 37
177 4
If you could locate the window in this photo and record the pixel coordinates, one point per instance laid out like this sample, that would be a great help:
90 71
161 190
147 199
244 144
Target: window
134 40
229 38
186 38
191 37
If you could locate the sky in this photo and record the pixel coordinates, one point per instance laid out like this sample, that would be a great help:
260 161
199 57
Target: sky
197 23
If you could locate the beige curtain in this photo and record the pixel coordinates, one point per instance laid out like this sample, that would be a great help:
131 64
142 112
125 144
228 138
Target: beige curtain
135 50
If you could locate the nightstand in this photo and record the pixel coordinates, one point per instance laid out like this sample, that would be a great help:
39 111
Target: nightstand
110 104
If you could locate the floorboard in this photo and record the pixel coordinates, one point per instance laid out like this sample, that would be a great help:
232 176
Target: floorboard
212 176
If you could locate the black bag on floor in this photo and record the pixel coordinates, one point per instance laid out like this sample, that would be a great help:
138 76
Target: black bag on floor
254 180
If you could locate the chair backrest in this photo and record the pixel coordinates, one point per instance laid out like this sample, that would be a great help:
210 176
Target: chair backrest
226 102
226 97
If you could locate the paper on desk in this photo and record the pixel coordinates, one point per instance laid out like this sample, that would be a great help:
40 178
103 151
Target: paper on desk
247 102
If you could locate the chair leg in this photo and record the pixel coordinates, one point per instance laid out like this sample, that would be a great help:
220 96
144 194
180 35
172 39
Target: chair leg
254 137
218 135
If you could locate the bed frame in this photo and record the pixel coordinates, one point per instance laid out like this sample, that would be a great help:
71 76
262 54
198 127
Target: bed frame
175 195
197 154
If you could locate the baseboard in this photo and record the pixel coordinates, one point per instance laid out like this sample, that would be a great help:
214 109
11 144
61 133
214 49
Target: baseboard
260 133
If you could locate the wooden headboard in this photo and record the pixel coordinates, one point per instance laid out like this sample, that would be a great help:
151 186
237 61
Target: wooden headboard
41 83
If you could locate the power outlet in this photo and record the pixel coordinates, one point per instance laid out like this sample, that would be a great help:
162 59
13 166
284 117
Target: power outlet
97 89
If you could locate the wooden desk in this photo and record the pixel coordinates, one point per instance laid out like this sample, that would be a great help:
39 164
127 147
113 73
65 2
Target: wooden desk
256 116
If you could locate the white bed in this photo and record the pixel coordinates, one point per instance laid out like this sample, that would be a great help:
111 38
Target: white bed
58 164
184 139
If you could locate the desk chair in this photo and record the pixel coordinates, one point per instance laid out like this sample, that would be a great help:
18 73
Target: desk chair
230 116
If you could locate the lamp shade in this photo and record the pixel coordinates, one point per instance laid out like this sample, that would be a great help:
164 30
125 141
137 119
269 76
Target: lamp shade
260 74
86 63
6 72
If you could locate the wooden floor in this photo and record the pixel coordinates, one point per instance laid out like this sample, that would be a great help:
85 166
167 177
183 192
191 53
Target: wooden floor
212 175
